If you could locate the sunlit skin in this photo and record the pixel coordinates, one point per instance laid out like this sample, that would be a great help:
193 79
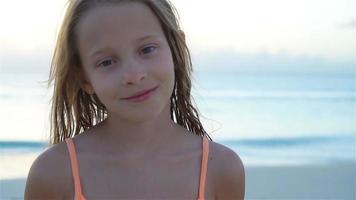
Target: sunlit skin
138 152
136 138
124 52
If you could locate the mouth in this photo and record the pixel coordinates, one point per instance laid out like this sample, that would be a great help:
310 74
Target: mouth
141 95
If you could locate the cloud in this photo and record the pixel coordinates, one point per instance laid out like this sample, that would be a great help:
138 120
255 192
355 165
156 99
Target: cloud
265 63
349 25
25 63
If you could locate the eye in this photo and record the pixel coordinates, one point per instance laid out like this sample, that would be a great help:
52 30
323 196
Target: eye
148 49
107 63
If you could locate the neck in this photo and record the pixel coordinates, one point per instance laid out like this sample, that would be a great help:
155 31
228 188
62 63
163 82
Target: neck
137 138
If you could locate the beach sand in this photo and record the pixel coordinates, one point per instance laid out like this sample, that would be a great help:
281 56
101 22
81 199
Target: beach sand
308 182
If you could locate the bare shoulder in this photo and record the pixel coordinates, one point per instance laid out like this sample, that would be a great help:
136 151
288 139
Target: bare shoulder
48 175
228 172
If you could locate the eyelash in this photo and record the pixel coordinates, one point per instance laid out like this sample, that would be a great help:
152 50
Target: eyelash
101 63
154 48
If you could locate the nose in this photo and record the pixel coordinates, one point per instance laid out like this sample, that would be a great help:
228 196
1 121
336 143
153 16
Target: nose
133 72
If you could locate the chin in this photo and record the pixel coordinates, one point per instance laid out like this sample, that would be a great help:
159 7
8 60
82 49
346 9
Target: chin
140 118
144 114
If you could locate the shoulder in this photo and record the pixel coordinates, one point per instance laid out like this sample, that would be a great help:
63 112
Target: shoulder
228 172
49 173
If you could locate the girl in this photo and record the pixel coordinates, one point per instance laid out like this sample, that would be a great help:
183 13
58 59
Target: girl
123 125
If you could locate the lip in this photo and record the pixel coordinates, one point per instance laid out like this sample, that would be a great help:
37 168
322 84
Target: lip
141 94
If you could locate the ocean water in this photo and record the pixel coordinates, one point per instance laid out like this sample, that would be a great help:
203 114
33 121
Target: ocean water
264 106
274 119
17 157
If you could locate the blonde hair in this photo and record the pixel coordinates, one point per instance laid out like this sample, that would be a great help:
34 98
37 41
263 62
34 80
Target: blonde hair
74 110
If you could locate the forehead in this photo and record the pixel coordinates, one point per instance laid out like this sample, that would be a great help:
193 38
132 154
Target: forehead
117 23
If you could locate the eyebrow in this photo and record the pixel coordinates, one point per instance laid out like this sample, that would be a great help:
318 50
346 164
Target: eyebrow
101 50
147 37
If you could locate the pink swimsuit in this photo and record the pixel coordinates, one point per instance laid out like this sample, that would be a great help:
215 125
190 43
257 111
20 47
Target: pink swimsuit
75 171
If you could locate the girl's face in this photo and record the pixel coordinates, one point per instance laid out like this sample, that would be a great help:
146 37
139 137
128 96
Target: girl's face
124 51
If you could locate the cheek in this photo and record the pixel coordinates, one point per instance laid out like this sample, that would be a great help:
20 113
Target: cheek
165 75
166 67
105 88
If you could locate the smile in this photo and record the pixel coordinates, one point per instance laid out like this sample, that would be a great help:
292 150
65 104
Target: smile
142 95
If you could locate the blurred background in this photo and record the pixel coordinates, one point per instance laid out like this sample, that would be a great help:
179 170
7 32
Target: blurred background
275 80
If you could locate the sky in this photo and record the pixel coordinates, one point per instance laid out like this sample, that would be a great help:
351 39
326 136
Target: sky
259 36
314 28
323 28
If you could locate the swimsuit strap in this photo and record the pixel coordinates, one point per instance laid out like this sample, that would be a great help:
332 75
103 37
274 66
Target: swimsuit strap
75 171
204 166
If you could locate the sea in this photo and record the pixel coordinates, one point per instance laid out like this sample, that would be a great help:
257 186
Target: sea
267 119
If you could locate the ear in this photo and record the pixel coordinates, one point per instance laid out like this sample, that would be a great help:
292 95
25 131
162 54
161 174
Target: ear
84 83
87 87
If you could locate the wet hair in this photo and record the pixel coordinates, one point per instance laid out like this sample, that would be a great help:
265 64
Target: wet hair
73 110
